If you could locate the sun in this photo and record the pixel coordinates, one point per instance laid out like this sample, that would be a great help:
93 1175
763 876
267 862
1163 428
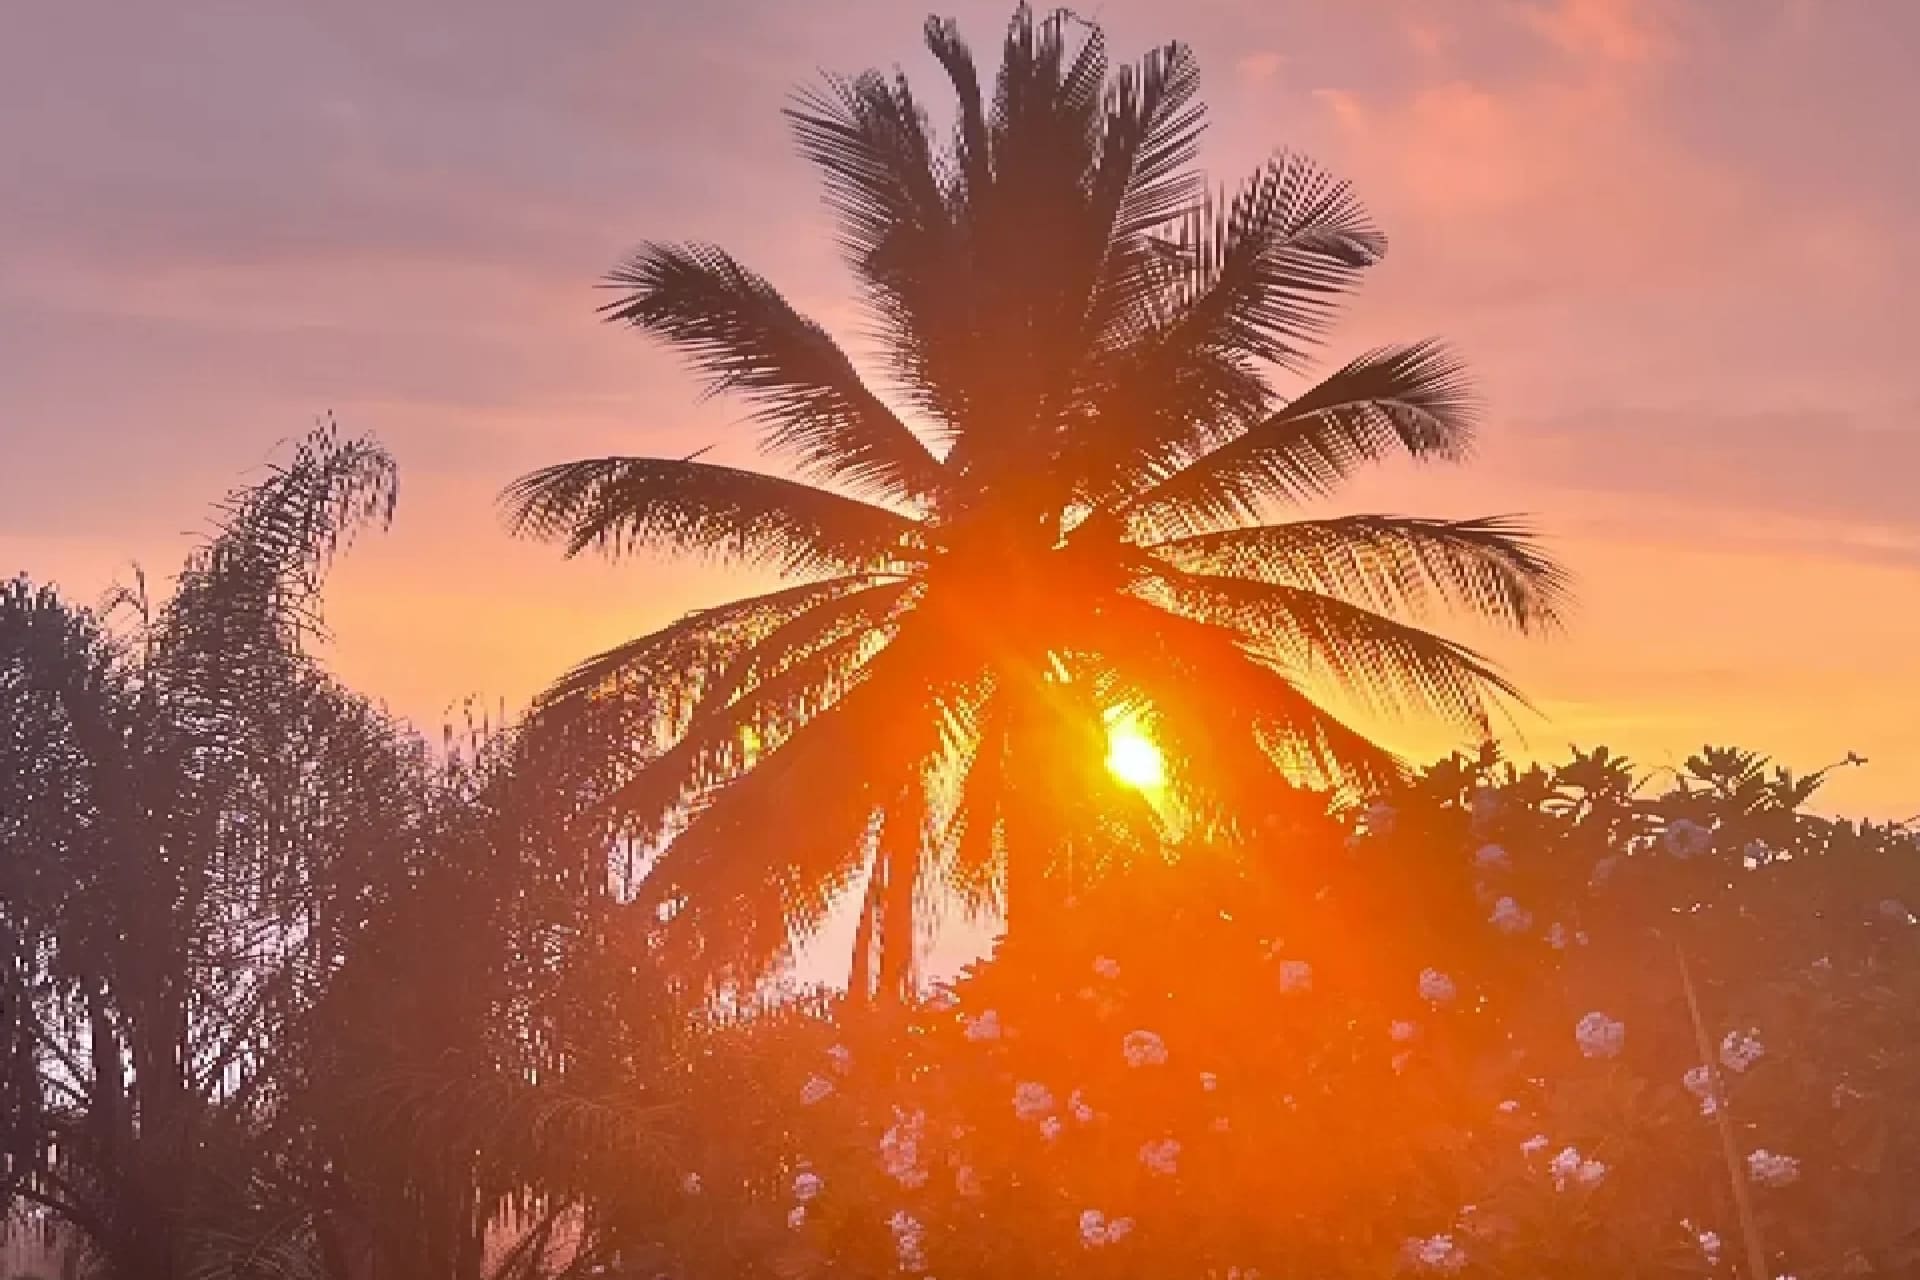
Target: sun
1133 758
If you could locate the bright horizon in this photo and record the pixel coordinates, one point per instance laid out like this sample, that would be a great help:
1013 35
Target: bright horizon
1685 305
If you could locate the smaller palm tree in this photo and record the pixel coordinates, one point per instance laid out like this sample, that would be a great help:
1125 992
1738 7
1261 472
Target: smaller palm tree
1079 519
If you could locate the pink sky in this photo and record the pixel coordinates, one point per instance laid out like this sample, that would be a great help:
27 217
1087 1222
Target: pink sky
1678 241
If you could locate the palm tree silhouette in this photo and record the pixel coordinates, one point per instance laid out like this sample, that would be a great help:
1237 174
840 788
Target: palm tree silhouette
1076 520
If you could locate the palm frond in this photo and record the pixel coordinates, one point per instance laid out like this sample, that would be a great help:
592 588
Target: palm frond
1264 271
1386 664
1414 398
254 588
796 671
736 328
743 882
1149 136
699 643
624 504
1225 715
1494 566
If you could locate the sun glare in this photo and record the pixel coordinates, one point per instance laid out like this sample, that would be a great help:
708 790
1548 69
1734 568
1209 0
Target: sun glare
1133 758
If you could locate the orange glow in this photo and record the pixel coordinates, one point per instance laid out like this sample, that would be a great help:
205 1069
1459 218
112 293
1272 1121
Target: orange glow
1133 758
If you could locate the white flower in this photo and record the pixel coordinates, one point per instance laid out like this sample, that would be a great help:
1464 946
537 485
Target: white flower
1489 857
1685 839
807 1185
1600 1036
1534 1146
1051 1127
1557 936
1509 917
1436 987
690 1184
1032 1100
1161 1156
1296 975
909 1240
1403 1031
900 1149
1097 1231
1756 852
1508 1107
1699 1082
984 1027
1078 1108
1710 1246
1105 967
842 1058
797 1217
1436 1253
1209 1081
966 1181
1771 1170
1741 1049
816 1089
1143 1049
1570 1168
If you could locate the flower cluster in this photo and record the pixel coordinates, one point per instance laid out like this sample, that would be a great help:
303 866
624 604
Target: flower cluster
1600 1036
1571 1169
1740 1050
1032 1101
1098 1231
1439 1254
1772 1170
1161 1156
1143 1049
1436 987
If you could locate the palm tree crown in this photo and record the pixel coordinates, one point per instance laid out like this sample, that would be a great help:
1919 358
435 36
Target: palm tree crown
1079 518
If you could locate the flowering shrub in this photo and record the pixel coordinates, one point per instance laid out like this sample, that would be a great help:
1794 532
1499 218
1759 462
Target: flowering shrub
1452 1037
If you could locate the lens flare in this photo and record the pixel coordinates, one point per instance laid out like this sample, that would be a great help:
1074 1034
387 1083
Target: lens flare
1133 758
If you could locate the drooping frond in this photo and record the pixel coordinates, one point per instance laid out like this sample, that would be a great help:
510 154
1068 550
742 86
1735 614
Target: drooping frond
256 584
1413 398
1384 663
625 504
736 328
758 700
1493 567
893 198
635 698
745 882
1224 715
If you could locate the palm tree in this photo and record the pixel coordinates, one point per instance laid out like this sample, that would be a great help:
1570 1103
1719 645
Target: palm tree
1071 511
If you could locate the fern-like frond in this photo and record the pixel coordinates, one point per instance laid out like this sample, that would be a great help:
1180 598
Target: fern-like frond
1493 567
620 505
1414 398
1384 663
737 329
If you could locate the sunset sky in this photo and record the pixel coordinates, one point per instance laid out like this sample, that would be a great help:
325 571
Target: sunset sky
1679 242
